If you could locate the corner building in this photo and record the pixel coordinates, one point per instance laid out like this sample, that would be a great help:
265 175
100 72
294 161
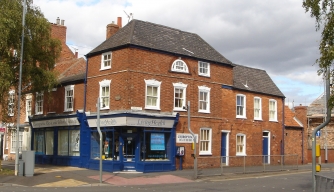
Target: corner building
144 74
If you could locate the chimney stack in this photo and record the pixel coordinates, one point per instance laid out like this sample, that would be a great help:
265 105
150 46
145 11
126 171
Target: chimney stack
119 22
112 28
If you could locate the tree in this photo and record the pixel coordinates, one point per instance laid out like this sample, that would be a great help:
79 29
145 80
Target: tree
39 54
323 12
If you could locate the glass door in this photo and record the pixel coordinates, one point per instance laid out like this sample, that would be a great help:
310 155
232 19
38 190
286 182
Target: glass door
129 148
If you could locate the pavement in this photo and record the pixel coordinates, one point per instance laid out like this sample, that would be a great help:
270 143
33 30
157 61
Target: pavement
66 176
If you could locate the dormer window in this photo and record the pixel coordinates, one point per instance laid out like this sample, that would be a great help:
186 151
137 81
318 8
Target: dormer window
180 66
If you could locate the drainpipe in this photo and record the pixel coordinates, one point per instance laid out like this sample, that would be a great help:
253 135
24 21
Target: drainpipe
328 118
283 128
303 145
85 85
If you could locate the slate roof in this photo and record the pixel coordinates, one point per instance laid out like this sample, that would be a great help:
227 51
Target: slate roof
289 118
254 80
161 38
71 70
318 107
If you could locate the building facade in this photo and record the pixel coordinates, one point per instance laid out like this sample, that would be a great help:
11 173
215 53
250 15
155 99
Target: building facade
140 88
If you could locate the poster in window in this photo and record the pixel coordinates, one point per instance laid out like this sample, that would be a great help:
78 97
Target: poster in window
157 141
75 140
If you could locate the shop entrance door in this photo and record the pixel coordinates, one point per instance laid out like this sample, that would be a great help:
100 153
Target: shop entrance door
129 151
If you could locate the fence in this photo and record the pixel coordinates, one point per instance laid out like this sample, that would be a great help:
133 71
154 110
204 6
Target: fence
225 165
324 183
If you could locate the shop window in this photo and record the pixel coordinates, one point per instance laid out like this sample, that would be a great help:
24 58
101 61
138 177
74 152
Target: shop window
110 147
68 142
49 135
39 142
155 146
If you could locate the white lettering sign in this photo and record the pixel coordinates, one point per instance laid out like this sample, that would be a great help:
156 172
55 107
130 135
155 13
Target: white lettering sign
185 138
55 122
131 121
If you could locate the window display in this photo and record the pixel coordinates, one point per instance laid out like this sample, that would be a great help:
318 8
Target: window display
110 147
155 146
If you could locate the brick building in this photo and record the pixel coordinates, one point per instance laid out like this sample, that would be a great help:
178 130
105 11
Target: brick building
143 75
39 106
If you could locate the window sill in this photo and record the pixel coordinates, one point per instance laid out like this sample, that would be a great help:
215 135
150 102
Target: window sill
70 110
179 110
103 69
204 111
240 117
240 155
258 119
152 108
106 108
203 75
205 153
274 121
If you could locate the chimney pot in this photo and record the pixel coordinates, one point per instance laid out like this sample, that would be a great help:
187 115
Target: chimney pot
58 20
62 22
76 54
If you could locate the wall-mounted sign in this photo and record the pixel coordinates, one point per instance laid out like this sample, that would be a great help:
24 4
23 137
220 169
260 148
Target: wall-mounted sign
2 129
55 122
132 121
185 138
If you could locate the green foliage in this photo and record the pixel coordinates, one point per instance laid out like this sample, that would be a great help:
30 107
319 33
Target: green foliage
39 54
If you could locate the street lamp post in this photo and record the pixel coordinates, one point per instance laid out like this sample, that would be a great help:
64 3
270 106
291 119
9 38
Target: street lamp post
19 92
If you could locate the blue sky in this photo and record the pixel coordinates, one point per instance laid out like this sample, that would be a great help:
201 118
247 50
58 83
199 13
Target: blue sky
276 36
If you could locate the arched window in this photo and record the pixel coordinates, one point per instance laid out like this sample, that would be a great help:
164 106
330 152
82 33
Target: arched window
180 66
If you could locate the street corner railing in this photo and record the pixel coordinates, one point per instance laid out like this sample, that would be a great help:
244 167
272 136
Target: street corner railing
324 183
228 165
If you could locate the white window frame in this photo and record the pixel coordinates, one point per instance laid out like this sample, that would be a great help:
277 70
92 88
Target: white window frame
39 103
242 144
69 99
180 66
104 84
103 61
28 106
258 108
272 110
238 105
11 100
205 141
180 87
13 141
204 90
202 67
154 84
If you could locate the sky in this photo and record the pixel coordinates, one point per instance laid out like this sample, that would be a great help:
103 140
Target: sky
277 36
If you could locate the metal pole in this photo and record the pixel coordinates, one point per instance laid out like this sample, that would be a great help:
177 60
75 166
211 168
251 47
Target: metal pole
194 138
100 133
19 97
320 127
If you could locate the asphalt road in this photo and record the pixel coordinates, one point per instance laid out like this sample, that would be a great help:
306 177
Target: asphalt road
300 181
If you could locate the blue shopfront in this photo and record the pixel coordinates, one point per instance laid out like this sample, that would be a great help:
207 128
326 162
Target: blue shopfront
131 141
